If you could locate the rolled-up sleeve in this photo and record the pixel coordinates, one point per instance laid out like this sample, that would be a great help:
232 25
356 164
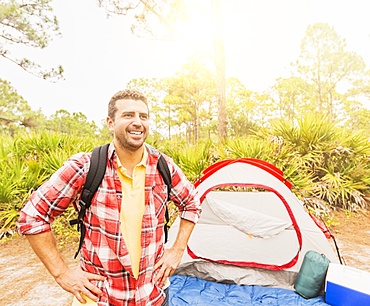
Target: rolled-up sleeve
185 196
53 197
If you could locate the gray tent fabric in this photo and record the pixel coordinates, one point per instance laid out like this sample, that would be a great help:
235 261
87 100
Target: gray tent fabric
246 220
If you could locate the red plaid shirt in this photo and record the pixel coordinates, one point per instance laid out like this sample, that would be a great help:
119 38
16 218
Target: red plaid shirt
104 251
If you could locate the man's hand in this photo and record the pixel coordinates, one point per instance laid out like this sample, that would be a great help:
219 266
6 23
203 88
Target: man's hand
171 258
73 280
78 282
167 265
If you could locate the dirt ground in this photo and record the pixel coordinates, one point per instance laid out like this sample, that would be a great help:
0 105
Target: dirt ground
352 234
25 281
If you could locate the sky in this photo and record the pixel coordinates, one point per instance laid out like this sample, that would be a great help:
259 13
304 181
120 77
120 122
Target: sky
100 55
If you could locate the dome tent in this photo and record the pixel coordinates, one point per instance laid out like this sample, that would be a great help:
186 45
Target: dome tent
253 230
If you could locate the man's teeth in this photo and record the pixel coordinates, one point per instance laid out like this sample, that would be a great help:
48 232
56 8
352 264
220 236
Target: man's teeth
136 133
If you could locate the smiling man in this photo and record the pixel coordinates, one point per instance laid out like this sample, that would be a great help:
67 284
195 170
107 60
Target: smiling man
123 259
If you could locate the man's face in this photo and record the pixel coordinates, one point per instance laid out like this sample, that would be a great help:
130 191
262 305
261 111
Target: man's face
130 126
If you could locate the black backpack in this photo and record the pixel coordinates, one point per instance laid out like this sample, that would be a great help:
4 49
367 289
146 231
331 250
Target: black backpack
95 176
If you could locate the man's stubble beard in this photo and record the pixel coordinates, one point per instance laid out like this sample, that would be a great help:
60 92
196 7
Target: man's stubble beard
125 143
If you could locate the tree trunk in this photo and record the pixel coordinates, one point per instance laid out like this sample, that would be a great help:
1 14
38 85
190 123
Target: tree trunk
220 69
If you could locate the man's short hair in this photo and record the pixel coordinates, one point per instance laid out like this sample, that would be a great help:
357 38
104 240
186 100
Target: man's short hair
125 94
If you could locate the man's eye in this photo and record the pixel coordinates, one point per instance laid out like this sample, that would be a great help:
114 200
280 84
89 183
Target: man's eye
144 117
127 115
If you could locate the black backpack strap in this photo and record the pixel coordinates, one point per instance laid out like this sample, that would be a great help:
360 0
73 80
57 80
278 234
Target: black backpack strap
94 177
166 175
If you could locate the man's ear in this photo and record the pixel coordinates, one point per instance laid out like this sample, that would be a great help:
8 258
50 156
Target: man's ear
110 124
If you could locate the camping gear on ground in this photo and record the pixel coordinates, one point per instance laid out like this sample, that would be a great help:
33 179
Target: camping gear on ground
93 180
311 276
188 290
253 230
347 286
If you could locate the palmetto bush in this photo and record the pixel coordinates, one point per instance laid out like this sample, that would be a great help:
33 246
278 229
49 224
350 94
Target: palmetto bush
272 149
335 159
325 162
344 175
192 159
26 162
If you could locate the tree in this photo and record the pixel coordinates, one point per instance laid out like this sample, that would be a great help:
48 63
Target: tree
192 95
152 17
292 97
158 17
358 116
325 63
28 23
183 102
76 123
219 59
241 108
15 112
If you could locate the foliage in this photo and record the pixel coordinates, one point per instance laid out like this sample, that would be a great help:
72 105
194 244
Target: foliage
311 125
76 123
16 116
28 161
242 109
327 66
269 148
28 23
328 80
184 106
292 97
191 93
324 161
336 159
192 159
161 19
15 112
152 17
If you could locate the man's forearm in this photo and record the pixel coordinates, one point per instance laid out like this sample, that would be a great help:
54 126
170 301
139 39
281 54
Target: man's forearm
185 229
73 280
44 245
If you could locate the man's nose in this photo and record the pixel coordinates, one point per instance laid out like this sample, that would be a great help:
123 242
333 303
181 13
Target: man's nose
137 120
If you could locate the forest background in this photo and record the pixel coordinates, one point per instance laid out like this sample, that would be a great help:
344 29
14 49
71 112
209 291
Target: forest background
312 124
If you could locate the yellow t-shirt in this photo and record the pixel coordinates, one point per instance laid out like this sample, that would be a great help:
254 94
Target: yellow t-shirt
132 209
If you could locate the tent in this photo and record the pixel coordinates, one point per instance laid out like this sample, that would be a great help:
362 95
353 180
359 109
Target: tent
253 229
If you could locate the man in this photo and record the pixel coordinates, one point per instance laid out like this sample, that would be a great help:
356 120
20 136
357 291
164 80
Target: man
123 259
